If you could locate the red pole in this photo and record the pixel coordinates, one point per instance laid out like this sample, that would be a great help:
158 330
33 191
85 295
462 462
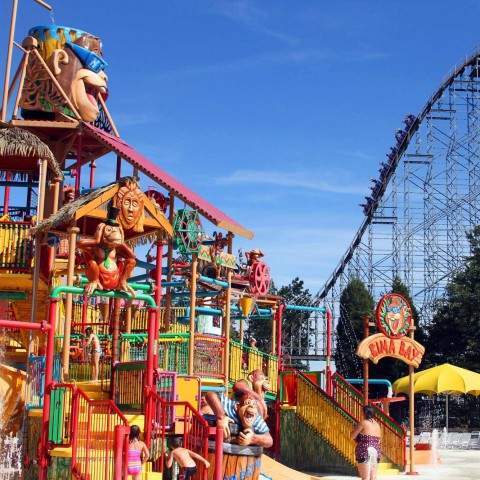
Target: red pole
84 312
218 472
92 173
118 173
24 325
366 333
6 197
279 314
121 431
152 313
328 367
158 296
52 313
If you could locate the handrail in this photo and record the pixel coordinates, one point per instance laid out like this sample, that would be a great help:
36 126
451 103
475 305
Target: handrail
322 413
393 434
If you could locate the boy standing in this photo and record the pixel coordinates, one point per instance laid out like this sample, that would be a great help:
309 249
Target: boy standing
185 459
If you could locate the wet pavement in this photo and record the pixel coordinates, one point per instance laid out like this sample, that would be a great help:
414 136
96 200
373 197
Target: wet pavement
455 465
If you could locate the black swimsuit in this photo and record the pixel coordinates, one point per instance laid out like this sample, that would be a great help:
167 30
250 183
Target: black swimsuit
188 472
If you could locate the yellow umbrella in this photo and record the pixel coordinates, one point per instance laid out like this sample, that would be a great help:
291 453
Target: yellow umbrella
444 378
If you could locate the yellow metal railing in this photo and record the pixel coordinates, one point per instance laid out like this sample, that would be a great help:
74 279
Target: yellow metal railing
244 360
319 411
15 246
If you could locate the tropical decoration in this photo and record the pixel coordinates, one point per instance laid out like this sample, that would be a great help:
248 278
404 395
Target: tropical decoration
188 231
394 315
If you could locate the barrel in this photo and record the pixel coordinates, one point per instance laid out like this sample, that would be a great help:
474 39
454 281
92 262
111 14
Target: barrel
239 463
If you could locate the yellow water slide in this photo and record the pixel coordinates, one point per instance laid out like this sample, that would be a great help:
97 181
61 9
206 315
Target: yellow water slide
12 398
277 471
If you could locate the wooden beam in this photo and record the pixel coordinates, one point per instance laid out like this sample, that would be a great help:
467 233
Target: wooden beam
94 204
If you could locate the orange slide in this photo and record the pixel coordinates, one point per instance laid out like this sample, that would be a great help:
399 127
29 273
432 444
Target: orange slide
12 394
277 471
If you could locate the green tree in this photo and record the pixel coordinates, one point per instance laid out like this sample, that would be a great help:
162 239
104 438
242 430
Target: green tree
454 333
355 303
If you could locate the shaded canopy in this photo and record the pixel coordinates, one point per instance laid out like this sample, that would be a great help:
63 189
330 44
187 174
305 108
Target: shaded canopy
444 378
20 150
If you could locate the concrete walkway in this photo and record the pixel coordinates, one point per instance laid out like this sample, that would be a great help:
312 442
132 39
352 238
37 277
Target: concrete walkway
455 465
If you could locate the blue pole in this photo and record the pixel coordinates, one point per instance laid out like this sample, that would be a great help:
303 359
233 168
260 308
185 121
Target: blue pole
305 308
212 281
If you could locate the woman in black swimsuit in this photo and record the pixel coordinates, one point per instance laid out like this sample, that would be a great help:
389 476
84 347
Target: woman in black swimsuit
367 434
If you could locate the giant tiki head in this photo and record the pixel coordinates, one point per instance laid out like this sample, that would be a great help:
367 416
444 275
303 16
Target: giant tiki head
74 58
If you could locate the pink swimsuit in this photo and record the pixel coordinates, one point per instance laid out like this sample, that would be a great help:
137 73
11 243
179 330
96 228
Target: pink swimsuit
134 461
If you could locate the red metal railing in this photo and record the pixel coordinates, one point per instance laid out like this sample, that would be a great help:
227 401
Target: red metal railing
195 431
208 359
89 427
393 434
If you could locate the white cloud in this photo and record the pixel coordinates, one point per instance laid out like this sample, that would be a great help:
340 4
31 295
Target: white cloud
292 179
245 13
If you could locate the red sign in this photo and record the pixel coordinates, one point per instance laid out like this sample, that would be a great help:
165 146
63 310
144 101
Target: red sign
394 315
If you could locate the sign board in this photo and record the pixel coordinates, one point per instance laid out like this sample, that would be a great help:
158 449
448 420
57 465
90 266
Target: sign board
375 347
394 320
222 259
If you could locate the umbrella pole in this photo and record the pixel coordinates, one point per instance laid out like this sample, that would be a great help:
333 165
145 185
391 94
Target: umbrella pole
411 408
446 413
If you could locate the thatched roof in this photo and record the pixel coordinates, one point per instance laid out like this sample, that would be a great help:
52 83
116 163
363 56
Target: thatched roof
65 215
17 143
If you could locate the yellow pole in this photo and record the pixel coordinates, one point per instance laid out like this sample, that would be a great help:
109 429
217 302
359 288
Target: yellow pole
72 245
273 348
168 300
9 59
226 326
193 303
411 411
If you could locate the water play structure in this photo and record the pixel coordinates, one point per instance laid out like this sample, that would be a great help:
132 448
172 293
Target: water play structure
118 300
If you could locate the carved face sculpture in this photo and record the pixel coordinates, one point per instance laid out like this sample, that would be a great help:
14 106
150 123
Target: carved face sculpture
75 59
130 200
247 410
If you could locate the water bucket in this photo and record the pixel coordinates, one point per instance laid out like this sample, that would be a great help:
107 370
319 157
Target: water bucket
239 463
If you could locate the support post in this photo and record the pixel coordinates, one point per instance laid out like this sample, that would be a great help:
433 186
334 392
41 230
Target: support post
72 245
277 439
411 412
168 298
50 355
118 171
93 166
366 333
6 194
158 296
149 383
120 446
116 331
193 303
328 367
226 327
218 472
9 59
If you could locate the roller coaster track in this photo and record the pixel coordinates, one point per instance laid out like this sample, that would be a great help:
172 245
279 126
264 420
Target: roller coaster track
427 198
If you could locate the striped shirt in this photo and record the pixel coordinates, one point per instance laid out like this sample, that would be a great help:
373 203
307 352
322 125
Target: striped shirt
259 425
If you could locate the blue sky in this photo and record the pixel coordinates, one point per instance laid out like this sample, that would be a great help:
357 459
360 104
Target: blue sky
279 112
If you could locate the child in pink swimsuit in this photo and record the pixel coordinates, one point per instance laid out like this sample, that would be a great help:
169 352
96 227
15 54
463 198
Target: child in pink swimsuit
137 453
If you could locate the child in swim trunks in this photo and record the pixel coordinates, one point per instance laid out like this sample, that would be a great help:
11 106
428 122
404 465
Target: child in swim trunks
137 453
185 459
96 351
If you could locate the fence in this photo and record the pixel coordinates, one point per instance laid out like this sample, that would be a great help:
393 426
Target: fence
88 426
139 322
325 416
393 435
208 358
195 431
16 246
35 388
128 385
244 360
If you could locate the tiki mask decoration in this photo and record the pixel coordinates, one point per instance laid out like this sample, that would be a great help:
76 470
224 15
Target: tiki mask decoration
130 202
74 58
